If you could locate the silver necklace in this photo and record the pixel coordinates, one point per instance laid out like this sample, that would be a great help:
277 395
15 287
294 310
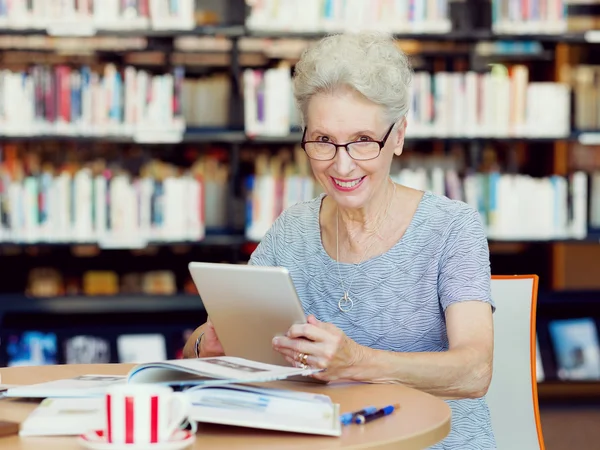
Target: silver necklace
346 303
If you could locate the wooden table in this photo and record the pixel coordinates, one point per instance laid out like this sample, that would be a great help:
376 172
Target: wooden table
421 421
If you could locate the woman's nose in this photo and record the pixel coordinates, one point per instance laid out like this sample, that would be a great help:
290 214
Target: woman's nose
343 162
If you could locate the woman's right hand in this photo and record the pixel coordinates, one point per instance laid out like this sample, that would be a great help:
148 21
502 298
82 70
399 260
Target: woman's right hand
210 344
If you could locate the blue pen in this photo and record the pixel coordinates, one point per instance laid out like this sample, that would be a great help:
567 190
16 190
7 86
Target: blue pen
361 419
348 418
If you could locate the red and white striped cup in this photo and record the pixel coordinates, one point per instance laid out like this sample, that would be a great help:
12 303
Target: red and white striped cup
143 413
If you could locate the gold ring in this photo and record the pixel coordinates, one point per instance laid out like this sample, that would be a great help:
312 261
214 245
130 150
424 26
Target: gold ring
302 358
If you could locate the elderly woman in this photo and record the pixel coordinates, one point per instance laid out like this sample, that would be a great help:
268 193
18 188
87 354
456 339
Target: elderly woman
395 281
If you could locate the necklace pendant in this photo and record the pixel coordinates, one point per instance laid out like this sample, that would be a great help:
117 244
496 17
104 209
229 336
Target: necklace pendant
345 304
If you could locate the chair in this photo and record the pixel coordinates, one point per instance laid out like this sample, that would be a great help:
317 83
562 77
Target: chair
512 396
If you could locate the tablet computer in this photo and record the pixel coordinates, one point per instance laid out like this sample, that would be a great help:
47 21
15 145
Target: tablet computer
248 306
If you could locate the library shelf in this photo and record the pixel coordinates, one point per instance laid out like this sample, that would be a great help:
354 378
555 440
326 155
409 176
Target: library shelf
569 390
201 30
238 240
98 304
237 31
240 30
588 37
591 237
224 136
210 240
419 36
295 137
474 35
544 56
583 298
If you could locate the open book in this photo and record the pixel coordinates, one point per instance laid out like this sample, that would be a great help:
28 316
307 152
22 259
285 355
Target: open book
179 373
235 405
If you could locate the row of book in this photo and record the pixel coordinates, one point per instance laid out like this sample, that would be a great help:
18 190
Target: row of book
517 206
529 16
277 183
72 44
131 102
88 101
405 16
84 17
205 101
45 282
584 80
40 348
110 204
103 202
421 16
269 107
512 206
546 16
503 102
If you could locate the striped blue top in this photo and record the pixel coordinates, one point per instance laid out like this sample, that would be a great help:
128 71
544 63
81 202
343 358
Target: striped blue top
399 296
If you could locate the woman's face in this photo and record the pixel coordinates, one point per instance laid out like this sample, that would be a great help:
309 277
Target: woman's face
343 117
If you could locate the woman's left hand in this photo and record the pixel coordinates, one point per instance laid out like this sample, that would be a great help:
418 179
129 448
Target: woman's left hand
326 346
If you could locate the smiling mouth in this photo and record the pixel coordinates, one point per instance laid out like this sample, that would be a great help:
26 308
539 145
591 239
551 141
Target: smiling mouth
347 184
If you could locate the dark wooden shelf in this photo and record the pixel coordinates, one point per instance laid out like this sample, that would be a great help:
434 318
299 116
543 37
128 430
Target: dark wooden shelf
566 38
16 303
210 240
569 390
454 35
199 136
545 56
239 240
203 30
240 30
592 237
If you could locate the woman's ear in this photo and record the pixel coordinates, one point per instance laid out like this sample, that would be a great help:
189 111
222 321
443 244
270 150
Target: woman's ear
399 137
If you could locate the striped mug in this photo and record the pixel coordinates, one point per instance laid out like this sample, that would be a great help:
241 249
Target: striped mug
143 413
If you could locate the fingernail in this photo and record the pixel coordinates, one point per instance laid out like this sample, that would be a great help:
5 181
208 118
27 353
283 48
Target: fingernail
275 341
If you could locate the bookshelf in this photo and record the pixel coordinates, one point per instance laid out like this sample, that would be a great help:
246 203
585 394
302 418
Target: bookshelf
202 136
12 304
219 47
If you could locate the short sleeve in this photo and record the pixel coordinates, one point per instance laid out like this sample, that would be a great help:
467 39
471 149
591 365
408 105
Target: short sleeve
265 253
464 269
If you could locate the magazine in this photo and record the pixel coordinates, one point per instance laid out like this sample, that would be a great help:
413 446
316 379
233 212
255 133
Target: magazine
265 408
179 373
576 347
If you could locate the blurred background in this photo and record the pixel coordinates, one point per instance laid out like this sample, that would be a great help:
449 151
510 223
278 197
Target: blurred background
141 135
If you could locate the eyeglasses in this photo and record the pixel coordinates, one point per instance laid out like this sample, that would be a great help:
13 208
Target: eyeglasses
358 150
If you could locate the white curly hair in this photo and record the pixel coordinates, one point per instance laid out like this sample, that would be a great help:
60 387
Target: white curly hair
369 62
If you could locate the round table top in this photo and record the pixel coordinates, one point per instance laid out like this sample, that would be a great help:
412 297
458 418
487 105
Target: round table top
421 421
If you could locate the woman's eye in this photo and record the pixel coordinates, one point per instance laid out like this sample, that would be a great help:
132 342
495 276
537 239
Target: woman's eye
323 139
365 138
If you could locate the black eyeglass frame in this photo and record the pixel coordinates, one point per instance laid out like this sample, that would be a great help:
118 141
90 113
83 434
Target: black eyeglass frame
381 144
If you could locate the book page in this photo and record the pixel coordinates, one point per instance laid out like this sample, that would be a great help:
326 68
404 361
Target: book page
81 386
224 368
